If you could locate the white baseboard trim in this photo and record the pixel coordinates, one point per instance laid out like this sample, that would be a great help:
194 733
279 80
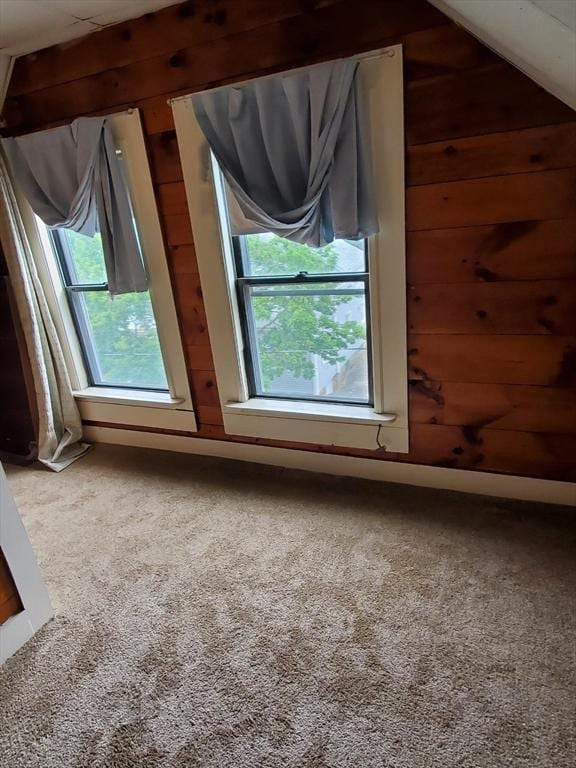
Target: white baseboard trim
466 481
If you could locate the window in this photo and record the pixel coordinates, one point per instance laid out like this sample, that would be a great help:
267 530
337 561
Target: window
305 319
124 353
309 345
117 334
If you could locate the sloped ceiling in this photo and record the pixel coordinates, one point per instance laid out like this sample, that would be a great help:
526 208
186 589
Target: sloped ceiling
562 10
537 36
30 25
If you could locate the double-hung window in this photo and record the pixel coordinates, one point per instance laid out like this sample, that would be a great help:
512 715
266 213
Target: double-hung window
305 319
123 352
117 334
309 344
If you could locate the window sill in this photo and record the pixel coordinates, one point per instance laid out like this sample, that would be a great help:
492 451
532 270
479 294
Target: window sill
348 426
129 397
139 408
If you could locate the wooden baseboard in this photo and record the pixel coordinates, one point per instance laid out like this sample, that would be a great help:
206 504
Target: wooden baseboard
466 481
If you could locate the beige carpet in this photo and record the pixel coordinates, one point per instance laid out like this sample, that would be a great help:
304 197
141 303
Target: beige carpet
220 615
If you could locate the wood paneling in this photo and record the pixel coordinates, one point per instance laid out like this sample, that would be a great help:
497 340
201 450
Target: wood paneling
520 197
151 35
520 250
483 100
494 406
535 306
541 360
199 356
532 149
316 35
491 204
17 422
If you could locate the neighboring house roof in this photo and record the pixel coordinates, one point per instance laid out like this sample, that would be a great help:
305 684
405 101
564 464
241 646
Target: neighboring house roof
537 36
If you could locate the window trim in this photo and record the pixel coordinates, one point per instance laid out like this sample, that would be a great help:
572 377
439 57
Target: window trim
383 426
138 407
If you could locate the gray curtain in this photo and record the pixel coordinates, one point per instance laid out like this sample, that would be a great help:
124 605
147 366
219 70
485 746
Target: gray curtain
294 150
72 178
59 424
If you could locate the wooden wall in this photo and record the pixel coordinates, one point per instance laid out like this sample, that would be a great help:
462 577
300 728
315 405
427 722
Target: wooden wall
491 205
17 416
10 603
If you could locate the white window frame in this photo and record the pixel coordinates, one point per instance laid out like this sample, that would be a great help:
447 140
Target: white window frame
383 425
167 410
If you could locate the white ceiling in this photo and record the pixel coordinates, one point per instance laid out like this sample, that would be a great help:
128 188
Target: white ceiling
30 25
562 10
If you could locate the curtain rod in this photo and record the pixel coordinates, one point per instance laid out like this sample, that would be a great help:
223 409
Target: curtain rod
389 51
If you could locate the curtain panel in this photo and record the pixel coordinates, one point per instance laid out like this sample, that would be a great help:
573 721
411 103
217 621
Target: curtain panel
60 426
72 178
294 150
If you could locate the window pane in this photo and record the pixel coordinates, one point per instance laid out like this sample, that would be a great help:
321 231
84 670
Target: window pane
309 341
120 338
267 254
84 257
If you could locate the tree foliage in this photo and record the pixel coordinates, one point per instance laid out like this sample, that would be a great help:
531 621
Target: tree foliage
123 327
291 329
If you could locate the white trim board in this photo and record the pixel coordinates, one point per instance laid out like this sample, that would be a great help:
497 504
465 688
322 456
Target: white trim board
466 481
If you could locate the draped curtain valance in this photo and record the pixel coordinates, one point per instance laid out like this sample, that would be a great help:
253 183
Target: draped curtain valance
72 178
294 150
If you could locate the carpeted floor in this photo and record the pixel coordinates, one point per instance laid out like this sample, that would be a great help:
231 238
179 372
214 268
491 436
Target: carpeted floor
220 615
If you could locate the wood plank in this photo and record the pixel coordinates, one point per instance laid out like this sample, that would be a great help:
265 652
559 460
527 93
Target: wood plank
204 388
520 453
536 360
172 198
530 149
531 306
443 50
150 35
182 260
190 309
199 357
490 99
178 229
520 197
164 157
524 250
494 406
292 42
209 414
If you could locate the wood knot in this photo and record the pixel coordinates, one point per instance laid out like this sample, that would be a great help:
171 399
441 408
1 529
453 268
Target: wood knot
485 274
177 60
186 10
